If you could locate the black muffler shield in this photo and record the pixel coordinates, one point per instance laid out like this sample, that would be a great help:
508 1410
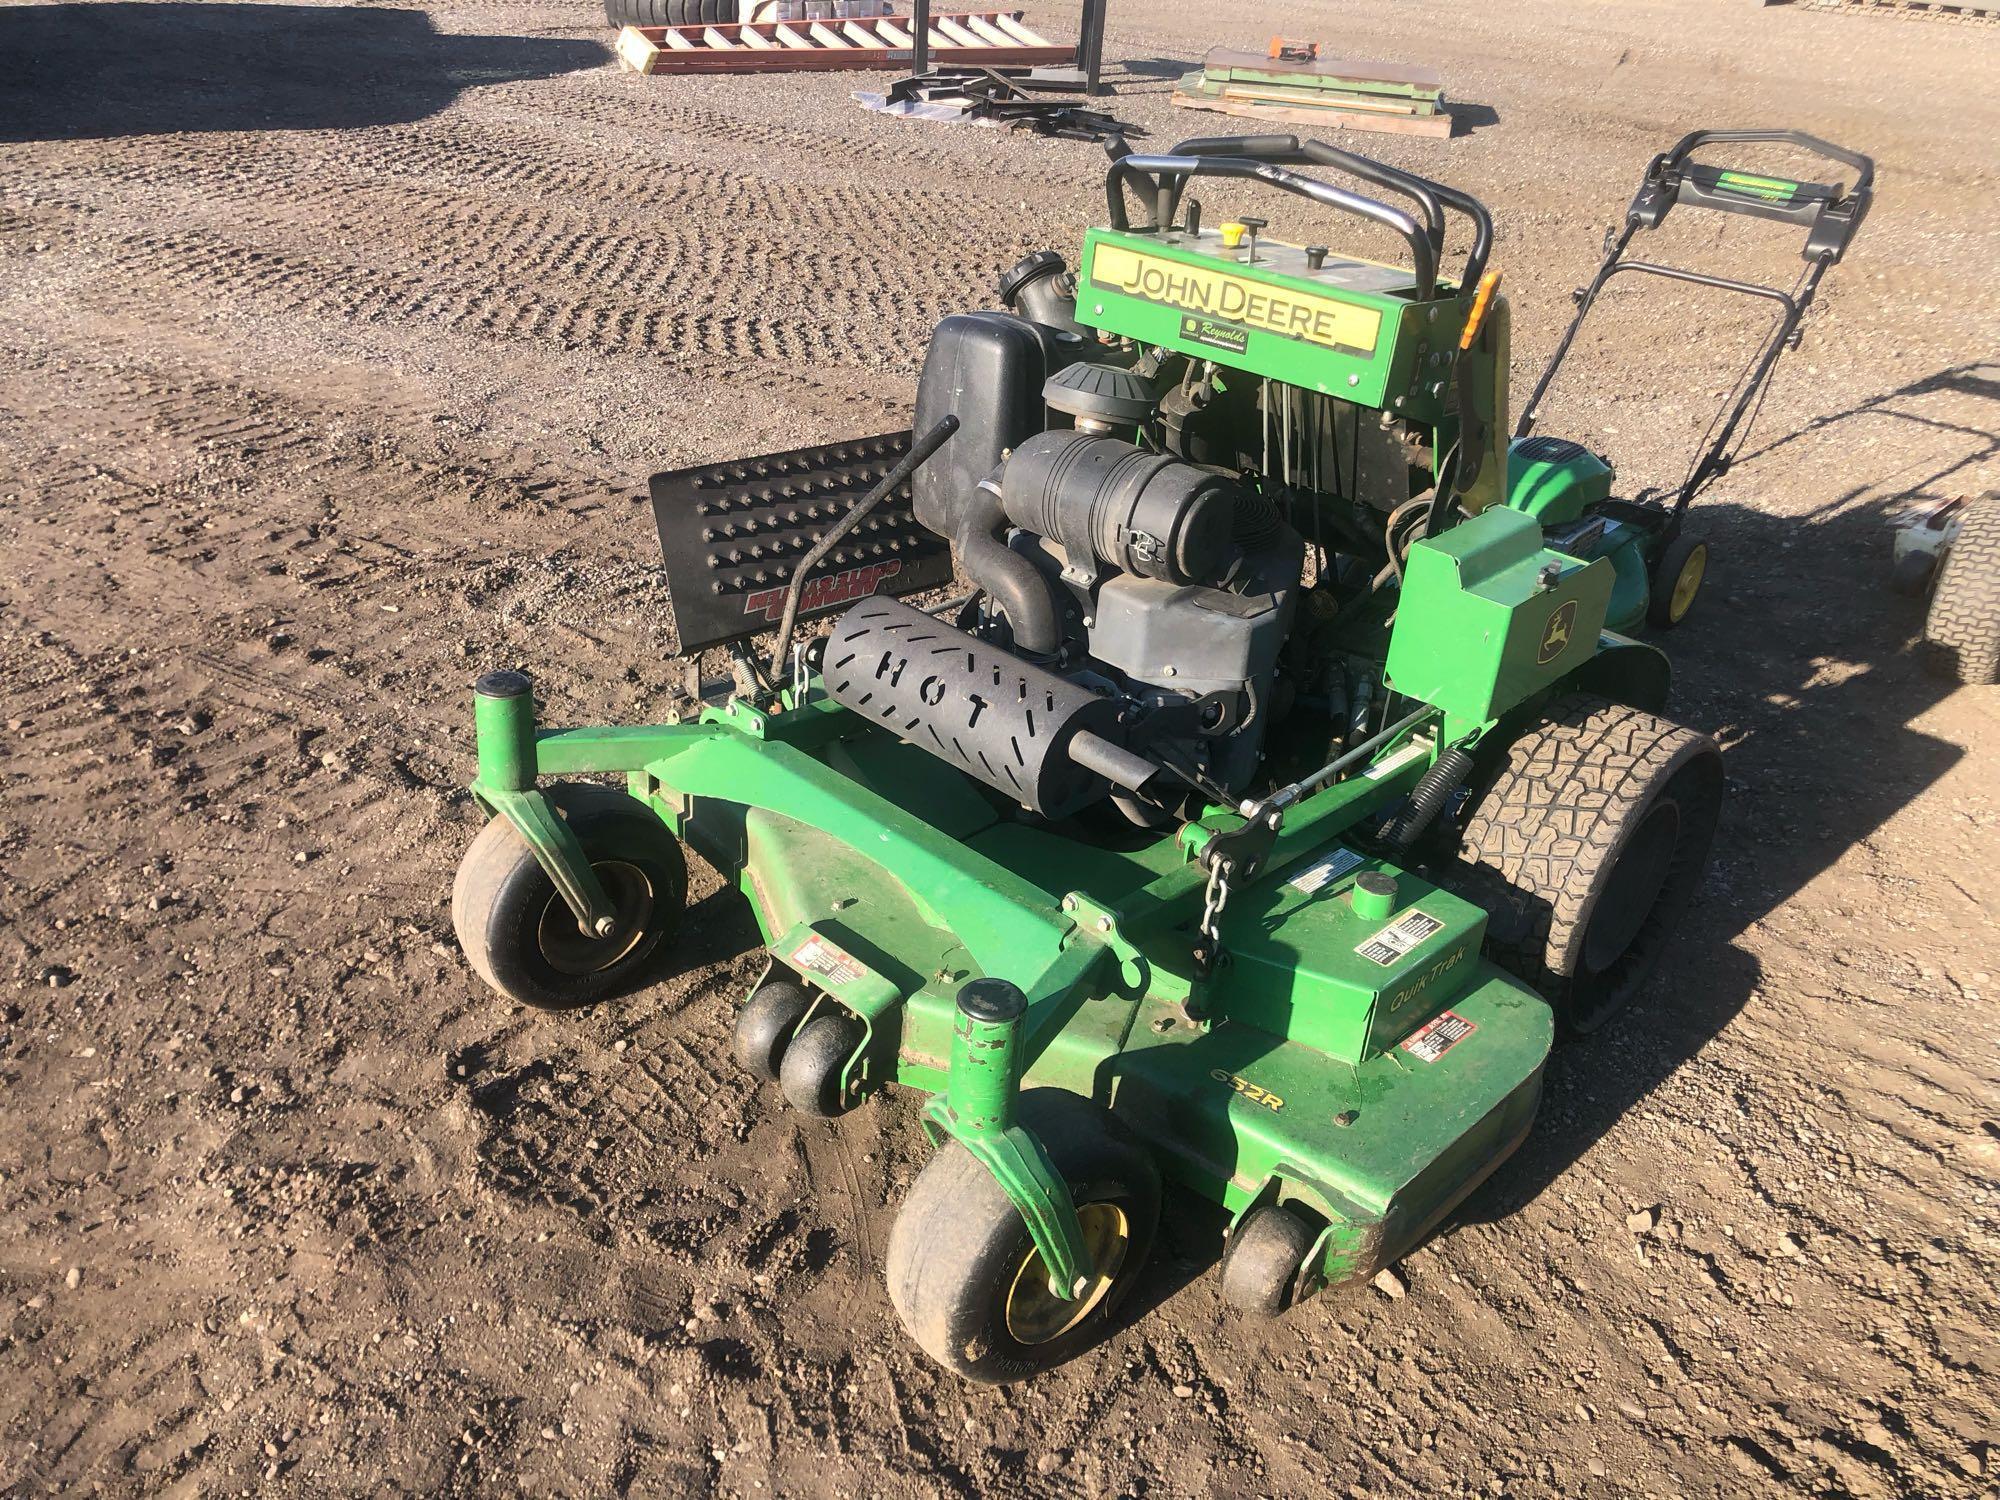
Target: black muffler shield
992 715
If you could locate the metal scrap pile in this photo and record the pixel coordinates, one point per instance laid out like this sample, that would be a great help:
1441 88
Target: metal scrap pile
998 98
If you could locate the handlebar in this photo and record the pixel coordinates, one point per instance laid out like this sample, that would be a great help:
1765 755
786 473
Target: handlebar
1287 150
1282 150
1167 174
1829 215
1427 191
1864 167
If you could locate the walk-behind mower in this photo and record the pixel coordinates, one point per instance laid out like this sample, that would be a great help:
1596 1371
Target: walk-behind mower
1278 792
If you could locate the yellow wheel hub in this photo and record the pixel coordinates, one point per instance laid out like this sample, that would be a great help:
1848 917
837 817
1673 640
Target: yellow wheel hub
1034 1313
1688 584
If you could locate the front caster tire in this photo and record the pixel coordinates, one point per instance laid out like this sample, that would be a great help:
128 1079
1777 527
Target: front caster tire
809 1071
966 1277
521 937
1587 848
1263 1265
765 1025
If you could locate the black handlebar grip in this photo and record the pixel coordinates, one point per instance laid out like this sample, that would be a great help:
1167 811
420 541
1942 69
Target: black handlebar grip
1238 145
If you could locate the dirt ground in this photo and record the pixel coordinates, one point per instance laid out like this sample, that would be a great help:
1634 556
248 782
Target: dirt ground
336 344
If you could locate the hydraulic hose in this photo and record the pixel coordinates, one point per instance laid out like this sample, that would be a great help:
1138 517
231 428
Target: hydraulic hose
919 454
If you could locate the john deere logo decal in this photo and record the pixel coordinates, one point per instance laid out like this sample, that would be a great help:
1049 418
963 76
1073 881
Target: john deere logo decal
1555 634
1210 298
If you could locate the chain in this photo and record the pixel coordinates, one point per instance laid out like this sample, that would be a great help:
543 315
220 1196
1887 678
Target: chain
1214 899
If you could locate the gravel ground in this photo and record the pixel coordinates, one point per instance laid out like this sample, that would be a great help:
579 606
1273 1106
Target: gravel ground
336 343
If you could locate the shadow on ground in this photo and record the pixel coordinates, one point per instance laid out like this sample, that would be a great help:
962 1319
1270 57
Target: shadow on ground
1802 659
97 72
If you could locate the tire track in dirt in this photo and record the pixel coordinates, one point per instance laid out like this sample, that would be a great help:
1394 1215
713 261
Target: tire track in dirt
674 276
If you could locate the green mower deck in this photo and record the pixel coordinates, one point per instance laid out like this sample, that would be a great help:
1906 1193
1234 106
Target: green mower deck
1374 1066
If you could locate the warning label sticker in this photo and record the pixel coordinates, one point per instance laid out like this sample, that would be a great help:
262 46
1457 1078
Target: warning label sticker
1399 937
817 956
1390 764
1438 1036
1330 866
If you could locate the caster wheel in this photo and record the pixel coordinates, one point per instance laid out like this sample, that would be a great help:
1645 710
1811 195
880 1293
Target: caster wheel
966 1277
765 1025
1911 576
521 937
1676 581
809 1072
1263 1265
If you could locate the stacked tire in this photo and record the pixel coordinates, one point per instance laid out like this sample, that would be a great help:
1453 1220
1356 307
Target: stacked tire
1962 631
671 12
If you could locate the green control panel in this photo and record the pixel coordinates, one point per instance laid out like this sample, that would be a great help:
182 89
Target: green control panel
1351 328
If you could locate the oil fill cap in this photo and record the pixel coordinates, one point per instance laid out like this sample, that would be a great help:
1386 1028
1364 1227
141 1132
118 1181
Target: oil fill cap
1232 234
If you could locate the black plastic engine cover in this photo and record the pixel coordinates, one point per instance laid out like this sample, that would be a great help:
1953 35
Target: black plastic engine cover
994 716
987 369
732 533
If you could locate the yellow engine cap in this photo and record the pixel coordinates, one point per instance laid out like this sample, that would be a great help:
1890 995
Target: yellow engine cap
1232 234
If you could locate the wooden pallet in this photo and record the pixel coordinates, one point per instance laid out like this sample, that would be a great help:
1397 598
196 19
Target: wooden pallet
1292 112
984 38
1295 85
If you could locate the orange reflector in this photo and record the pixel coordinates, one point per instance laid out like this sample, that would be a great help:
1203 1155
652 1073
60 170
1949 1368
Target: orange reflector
1481 300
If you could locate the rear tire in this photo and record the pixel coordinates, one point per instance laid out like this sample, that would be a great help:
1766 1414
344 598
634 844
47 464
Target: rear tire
1962 631
520 936
1587 848
965 1275
1675 582
1263 1265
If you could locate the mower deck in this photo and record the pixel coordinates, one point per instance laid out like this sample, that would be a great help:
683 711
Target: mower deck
1372 1067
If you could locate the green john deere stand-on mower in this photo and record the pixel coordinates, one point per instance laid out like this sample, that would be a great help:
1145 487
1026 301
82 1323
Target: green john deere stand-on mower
1116 858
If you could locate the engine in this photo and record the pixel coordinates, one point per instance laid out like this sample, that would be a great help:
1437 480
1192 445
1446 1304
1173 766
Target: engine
1132 606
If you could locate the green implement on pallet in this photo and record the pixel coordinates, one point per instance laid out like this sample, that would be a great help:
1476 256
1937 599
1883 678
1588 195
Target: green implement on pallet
1281 790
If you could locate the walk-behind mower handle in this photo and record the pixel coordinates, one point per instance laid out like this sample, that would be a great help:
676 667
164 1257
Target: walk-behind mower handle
1288 149
1828 214
1166 174
1694 140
